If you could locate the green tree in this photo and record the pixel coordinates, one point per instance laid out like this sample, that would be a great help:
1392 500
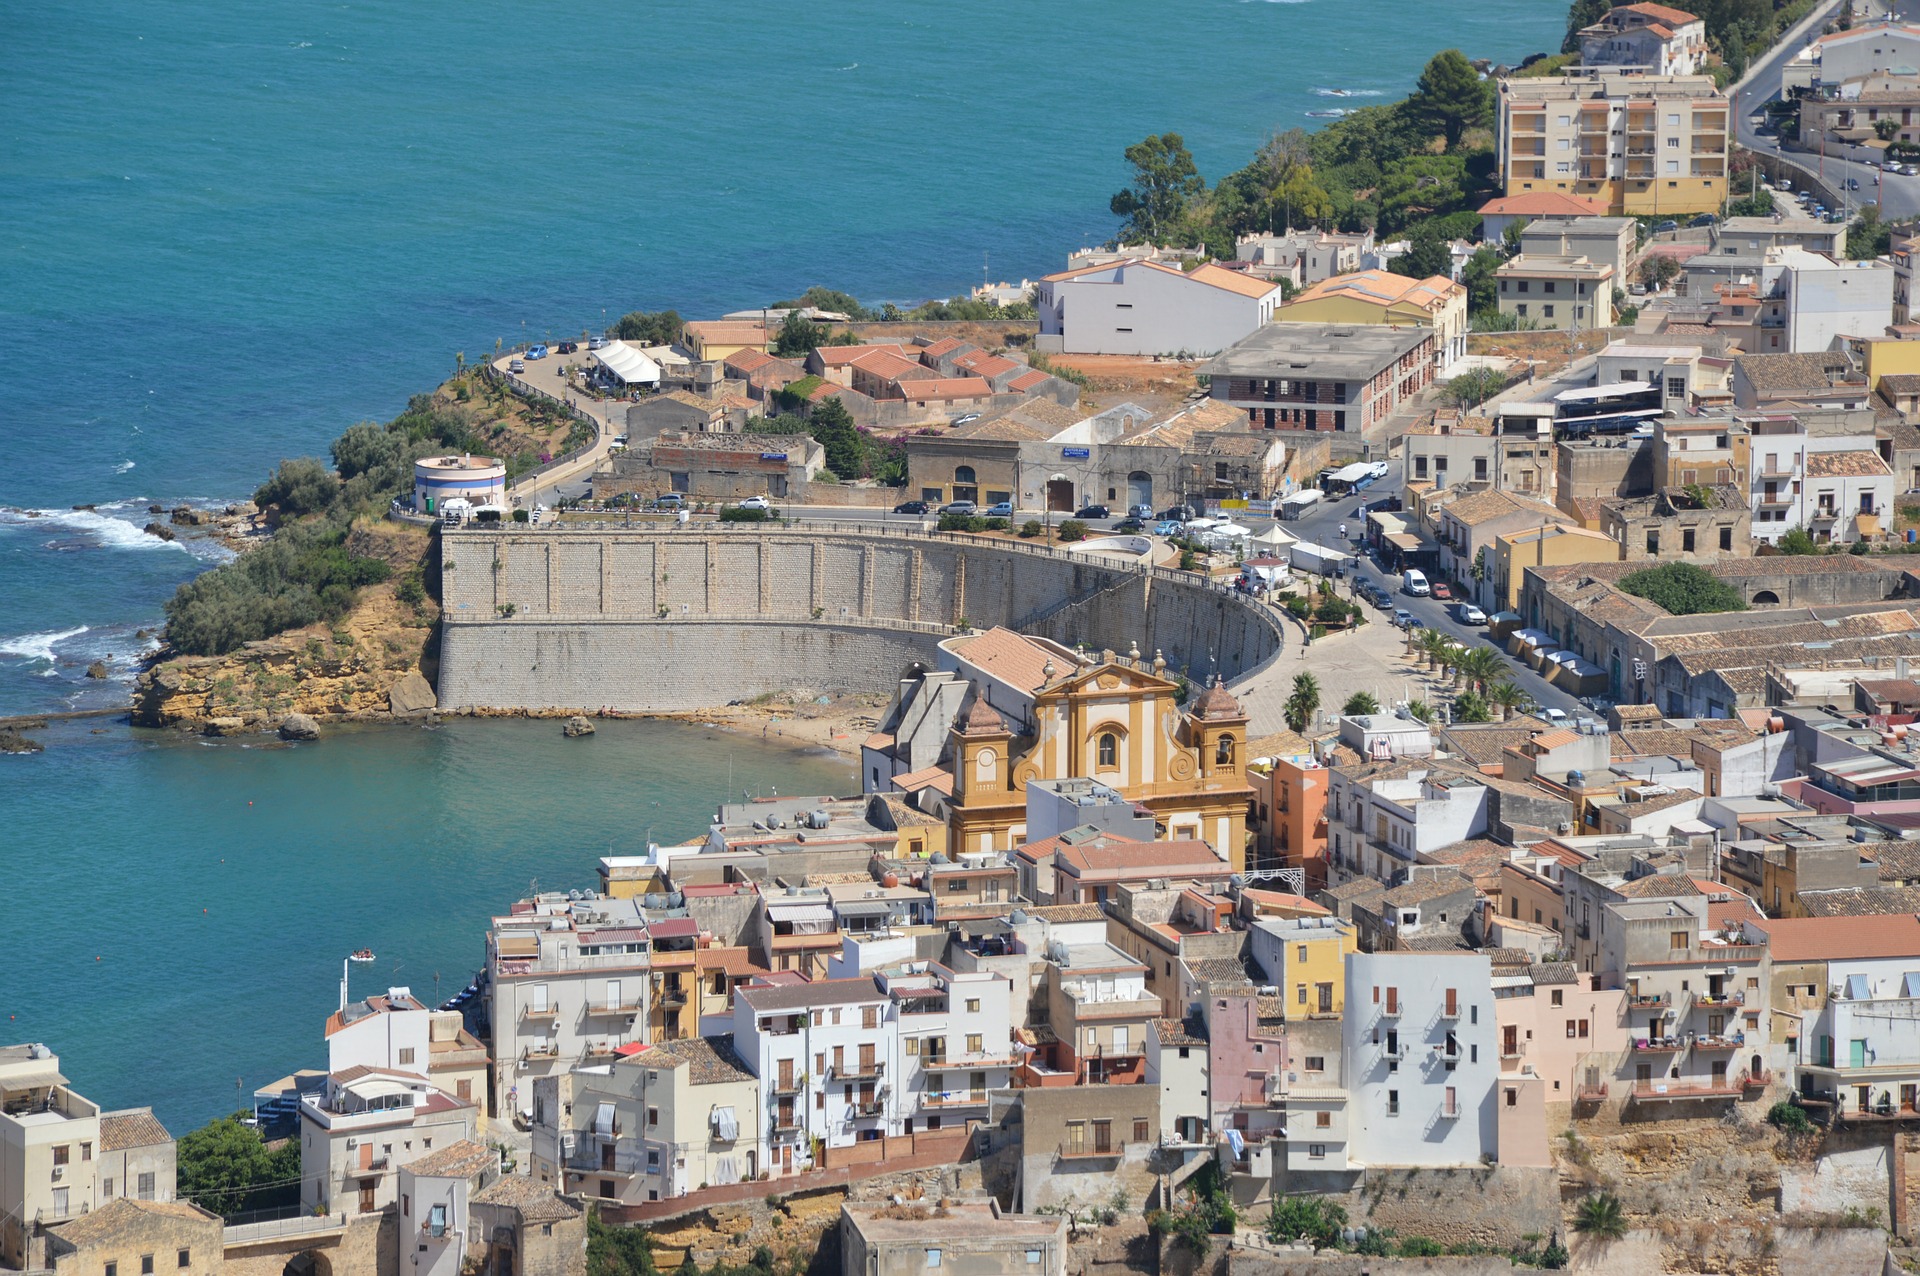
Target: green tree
1584 13
225 1166
1506 693
1451 98
1601 1217
1427 255
828 299
1510 237
1471 706
1303 703
1869 237
649 328
1481 666
1474 386
1313 1218
1657 272
1683 589
302 485
1481 282
1360 703
799 337
1757 204
1420 187
1165 180
617 1251
1797 541
831 424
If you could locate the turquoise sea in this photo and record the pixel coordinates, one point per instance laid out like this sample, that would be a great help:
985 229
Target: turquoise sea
226 233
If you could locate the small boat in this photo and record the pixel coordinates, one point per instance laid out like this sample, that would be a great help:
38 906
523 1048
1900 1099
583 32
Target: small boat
361 954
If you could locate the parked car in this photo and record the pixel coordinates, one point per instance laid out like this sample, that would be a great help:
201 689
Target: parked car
516 365
959 507
1558 717
1414 581
1140 511
1704 219
1471 615
1402 618
1000 509
1909 170
596 343
1892 166
1853 183
1660 228
756 503
669 501
1168 527
568 347
536 352
1093 511
1178 513
1130 526
965 418
910 507
1442 590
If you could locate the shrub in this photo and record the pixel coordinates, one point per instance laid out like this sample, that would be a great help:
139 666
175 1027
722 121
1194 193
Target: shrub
1031 528
740 514
1073 530
998 524
1683 589
303 575
1600 1216
1313 1217
520 516
1788 1116
1299 608
299 487
1421 1247
962 523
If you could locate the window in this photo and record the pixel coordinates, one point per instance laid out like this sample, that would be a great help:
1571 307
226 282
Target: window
146 1186
973 1005
1316 1151
1559 997
973 1043
1547 311
869 1017
653 1116
1323 1120
1686 540
146 1265
112 1269
1140 1134
106 1189
1393 1103
1513 1098
963 474
86 1151
1033 1256
1303 994
61 1152
1303 951
1109 749
1676 940
913 1045
1076 1137
933 1258
1103 1136
1726 539
1316 1063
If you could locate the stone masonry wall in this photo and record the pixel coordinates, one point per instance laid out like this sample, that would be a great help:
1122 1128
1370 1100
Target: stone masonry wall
638 620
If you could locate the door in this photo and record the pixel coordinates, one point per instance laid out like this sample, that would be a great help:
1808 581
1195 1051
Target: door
866 1060
786 1074
1857 1053
1510 1040
1139 488
1060 495
366 1196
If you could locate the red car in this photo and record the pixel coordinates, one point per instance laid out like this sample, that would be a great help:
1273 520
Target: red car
1441 591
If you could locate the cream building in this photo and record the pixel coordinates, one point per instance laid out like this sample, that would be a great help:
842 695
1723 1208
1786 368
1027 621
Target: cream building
1570 293
368 1122
1382 297
1653 145
49 1137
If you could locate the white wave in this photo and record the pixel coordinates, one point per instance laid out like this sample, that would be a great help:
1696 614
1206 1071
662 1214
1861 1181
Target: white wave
851 66
38 646
103 530
123 467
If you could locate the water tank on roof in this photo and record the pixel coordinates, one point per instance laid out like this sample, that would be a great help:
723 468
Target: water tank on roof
677 900
1018 917
1576 778
817 819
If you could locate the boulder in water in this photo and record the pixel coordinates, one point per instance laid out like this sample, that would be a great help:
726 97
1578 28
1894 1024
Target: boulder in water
161 530
576 726
411 697
98 669
12 741
224 726
298 726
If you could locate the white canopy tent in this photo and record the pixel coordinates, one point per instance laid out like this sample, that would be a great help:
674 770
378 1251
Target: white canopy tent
627 365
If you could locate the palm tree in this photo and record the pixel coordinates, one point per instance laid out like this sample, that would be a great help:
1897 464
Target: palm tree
1303 703
1360 702
1507 694
1469 706
1481 665
1601 1217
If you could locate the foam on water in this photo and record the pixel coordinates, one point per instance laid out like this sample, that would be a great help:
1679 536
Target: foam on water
38 646
100 530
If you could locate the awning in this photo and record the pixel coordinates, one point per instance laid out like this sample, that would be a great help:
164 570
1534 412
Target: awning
628 364
800 913
603 1120
1406 542
674 928
864 908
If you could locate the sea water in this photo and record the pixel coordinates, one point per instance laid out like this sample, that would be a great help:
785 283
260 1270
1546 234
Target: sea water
226 233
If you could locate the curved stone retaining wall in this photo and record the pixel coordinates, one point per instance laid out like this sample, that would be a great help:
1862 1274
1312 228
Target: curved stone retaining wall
634 619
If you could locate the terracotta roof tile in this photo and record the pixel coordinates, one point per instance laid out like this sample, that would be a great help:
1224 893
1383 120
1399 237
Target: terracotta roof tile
1841 938
131 1128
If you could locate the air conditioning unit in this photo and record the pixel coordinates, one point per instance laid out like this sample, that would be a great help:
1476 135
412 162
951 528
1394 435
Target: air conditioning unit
59 1172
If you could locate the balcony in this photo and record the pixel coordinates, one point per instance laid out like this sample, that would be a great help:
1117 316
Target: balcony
1773 500
1756 1080
1513 1049
624 1006
1390 1010
870 1107
547 1051
1714 1000
786 1127
1450 1012
1652 1001
1659 1091
1396 1051
673 998
956 1099
1658 1045
858 1070
1824 514
540 1012
595 1157
1595 1093
1728 1041
789 1086
1081 1152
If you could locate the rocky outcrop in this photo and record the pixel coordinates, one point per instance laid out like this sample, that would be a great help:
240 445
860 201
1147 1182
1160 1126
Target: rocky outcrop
576 727
98 669
12 741
372 665
161 530
188 516
299 726
224 726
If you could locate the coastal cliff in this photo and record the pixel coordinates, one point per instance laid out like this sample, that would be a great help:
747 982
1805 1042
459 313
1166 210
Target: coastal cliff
374 664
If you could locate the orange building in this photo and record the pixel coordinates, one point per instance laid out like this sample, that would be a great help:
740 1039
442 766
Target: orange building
1290 793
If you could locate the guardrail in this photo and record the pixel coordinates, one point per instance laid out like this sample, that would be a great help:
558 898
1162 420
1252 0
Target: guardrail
300 1224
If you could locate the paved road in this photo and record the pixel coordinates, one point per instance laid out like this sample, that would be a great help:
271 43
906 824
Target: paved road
547 376
1899 197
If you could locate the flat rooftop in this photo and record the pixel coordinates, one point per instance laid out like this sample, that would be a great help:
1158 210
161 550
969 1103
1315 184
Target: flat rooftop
1336 351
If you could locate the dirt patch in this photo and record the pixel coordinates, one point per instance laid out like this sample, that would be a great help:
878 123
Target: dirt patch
1549 351
1152 383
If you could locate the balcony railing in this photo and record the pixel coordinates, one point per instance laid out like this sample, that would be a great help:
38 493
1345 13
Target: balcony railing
1084 1153
624 1006
1595 1093
789 1085
1649 1001
858 1070
1654 1091
673 998
540 1012
1512 1049
1720 999
1658 1045
1450 1012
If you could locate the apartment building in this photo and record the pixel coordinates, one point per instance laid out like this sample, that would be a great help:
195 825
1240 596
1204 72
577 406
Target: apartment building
1698 1019
434 1226
1384 298
396 1031
1291 819
968 1236
820 1052
1452 448
1097 1010
1305 958
1316 376
1555 291
362 1127
1558 1040
1304 257
1145 308
1383 816
1421 1059
656 1123
1613 242
49 1136
138 1158
567 980
1468 527
1653 145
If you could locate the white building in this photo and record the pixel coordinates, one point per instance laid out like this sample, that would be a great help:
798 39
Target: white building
1864 50
396 1031
1421 1058
478 480
1305 257
1653 38
820 1051
1836 486
1810 298
435 1231
567 980
1144 308
47 1139
366 1124
954 1032
1382 818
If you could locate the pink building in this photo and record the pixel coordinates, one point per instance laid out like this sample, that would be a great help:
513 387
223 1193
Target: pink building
1558 1040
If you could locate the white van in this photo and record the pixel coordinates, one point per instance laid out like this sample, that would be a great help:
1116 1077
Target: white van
1414 582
